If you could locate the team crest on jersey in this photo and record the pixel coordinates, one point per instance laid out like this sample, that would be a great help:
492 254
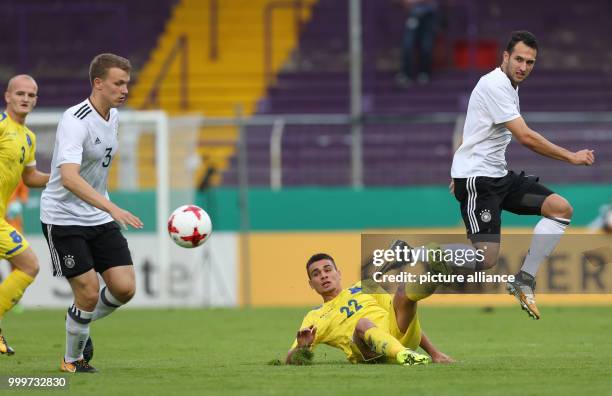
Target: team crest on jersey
485 216
69 261
98 141
29 139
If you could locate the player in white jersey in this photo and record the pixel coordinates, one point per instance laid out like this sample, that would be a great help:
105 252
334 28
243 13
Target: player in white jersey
483 185
79 221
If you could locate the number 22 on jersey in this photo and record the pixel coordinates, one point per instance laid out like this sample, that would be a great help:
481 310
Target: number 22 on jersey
352 307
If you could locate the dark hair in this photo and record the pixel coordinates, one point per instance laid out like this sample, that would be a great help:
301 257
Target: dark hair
102 63
317 257
521 35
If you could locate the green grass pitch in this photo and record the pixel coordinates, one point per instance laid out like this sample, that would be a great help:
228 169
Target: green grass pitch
227 351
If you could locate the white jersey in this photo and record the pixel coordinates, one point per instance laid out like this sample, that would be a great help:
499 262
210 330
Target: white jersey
85 138
493 102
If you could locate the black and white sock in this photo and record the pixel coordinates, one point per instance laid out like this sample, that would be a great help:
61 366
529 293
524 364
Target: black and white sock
107 303
546 236
77 331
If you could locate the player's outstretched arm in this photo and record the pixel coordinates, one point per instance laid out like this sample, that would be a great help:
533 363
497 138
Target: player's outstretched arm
538 143
34 178
72 180
305 337
436 355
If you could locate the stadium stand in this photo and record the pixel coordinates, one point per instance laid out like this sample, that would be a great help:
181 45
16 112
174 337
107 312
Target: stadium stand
54 40
311 77
571 76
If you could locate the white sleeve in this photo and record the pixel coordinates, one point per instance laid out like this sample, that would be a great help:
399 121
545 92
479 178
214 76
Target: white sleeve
71 135
500 103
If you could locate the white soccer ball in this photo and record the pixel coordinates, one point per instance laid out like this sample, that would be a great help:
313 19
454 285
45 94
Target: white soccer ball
189 226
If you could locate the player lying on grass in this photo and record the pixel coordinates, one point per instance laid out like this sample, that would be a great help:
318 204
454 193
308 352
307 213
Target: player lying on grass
366 327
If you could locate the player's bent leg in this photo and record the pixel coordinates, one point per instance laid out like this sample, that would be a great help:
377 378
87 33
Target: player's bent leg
17 308
120 288
15 284
85 288
26 262
382 343
377 340
490 251
367 353
404 326
547 233
405 305
556 206
13 287
121 282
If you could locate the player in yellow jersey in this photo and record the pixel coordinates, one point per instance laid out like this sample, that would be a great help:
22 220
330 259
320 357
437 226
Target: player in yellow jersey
17 162
366 327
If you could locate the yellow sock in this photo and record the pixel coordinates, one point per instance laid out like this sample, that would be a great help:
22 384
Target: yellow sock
416 291
12 289
383 342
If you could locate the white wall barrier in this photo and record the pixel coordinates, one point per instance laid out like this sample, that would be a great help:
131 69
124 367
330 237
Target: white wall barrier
205 276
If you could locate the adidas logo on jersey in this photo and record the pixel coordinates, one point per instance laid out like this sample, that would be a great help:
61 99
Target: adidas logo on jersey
98 141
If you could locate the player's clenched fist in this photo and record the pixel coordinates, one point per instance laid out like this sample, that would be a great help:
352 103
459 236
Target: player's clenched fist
583 157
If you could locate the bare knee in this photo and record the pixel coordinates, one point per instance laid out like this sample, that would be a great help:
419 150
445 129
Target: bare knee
489 253
26 262
121 282
87 298
127 294
362 326
32 267
35 270
567 210
557 206
124 293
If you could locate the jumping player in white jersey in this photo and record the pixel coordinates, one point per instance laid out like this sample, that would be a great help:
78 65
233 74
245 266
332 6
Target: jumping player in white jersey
483 185
79 221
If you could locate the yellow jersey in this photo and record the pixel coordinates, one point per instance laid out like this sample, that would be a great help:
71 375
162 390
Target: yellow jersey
17 150
336 319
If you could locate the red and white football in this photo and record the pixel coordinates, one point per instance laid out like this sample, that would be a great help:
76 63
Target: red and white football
189 226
